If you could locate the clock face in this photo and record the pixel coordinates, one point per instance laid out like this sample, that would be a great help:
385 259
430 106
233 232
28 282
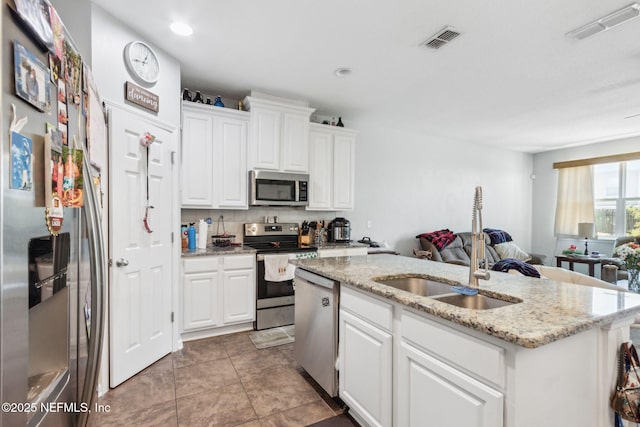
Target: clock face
142 62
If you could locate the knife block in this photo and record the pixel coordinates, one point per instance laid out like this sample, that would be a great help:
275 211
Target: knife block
304 239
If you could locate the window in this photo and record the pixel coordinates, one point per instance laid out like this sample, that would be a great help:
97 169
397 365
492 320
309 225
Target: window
616 189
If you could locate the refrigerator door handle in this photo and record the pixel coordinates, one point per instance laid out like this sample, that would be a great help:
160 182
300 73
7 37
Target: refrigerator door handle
122 262
98 279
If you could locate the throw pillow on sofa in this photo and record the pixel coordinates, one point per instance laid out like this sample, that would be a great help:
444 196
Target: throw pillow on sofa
511 250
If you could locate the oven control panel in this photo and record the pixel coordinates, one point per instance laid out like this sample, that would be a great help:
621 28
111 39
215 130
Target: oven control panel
270 229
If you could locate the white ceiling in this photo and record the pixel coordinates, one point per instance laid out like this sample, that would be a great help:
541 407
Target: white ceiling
512 79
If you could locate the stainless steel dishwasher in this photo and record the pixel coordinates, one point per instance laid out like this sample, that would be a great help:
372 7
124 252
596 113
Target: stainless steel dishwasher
316 320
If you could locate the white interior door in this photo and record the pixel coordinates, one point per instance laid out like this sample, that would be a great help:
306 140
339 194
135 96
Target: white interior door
140 292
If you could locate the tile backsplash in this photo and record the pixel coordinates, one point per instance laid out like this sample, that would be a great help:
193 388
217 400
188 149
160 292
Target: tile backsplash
234 220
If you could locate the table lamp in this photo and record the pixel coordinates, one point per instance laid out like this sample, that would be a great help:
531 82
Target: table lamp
588 230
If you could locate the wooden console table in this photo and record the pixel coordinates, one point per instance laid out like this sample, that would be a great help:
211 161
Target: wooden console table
584 259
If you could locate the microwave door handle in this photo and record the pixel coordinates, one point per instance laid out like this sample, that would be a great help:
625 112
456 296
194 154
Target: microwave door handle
297 190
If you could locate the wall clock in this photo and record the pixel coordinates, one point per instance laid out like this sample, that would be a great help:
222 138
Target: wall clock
142 62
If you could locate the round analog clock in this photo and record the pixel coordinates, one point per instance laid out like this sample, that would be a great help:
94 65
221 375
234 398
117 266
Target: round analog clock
142 62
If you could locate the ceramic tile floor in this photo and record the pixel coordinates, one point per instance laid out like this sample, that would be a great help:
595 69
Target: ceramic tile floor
220 381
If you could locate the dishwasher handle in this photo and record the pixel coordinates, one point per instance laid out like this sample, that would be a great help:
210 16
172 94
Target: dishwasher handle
314 279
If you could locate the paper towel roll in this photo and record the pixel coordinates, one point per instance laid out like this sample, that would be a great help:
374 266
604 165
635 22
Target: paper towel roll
202 234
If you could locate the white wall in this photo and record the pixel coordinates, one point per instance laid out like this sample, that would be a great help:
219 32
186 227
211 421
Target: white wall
407 184
544 194
109 38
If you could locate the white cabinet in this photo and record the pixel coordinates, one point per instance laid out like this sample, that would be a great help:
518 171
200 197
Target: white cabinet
214 157
331 168
278 136
399 368
218 291
365 358
462 376
432 391
334 252
201 288
197 158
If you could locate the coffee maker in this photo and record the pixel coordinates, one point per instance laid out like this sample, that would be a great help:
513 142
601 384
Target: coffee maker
339 230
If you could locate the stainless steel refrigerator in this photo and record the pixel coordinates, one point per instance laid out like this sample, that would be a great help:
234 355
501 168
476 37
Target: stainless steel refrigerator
51 291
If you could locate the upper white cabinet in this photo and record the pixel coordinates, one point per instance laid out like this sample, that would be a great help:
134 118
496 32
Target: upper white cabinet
331 168
278 135
214 157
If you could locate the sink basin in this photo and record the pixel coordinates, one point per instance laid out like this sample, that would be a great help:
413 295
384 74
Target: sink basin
417 285
475 302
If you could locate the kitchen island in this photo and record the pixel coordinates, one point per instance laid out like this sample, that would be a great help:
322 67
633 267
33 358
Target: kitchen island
408 360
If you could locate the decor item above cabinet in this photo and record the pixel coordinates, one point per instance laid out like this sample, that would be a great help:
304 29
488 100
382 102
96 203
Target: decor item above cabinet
279 134
331 168
214 157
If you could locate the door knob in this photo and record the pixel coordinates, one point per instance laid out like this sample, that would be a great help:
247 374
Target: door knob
122 262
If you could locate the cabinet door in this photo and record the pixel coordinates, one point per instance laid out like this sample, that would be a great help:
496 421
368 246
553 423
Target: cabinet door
201 297
239 296
295 142
343 172
265 138
230 157
320 170
430 391
365 369
197 155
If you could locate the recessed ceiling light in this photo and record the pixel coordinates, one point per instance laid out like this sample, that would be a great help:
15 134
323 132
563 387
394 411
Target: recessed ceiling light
181 29
342 72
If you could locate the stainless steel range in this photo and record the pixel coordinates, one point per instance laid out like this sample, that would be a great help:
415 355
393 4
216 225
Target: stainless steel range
275 299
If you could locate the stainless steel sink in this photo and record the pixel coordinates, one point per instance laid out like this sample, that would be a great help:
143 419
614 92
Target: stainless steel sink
416 285
474 302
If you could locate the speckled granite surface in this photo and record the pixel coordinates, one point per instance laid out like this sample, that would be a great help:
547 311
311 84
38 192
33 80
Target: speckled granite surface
549 310
217 250
330 245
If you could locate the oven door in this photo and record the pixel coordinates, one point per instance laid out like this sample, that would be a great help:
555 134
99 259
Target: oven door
266 289
275 300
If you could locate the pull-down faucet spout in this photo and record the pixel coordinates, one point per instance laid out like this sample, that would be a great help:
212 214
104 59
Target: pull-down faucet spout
477 243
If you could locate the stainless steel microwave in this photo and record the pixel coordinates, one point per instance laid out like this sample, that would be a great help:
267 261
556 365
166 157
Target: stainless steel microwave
278 189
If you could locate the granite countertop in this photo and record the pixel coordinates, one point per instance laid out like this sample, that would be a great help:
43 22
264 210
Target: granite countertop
340 245
549 310
218 250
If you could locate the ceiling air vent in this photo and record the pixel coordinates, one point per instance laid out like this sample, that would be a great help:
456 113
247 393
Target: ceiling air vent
441 38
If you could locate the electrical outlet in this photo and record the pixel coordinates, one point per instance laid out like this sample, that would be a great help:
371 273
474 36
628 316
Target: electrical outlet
369 223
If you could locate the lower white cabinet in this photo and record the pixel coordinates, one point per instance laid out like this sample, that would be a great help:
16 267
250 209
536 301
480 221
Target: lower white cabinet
400 369
431 392
365 360
218 291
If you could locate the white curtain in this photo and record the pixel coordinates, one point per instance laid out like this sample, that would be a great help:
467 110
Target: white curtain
575 200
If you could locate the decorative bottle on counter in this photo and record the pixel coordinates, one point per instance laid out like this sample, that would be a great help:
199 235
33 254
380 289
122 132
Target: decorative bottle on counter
340 124
218 102
186 95
198 98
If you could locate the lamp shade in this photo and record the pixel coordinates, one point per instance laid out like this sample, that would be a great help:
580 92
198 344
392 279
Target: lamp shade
586 230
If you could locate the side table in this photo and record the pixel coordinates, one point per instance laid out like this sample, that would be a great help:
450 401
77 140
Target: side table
579 259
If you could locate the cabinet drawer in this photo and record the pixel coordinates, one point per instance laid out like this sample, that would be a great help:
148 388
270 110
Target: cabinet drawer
372 309
239 261
462 350
200 264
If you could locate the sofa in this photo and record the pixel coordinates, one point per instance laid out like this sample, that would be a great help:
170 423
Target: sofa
459 250
621 272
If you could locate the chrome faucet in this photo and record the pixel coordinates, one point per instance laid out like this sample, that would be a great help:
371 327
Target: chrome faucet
477 243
